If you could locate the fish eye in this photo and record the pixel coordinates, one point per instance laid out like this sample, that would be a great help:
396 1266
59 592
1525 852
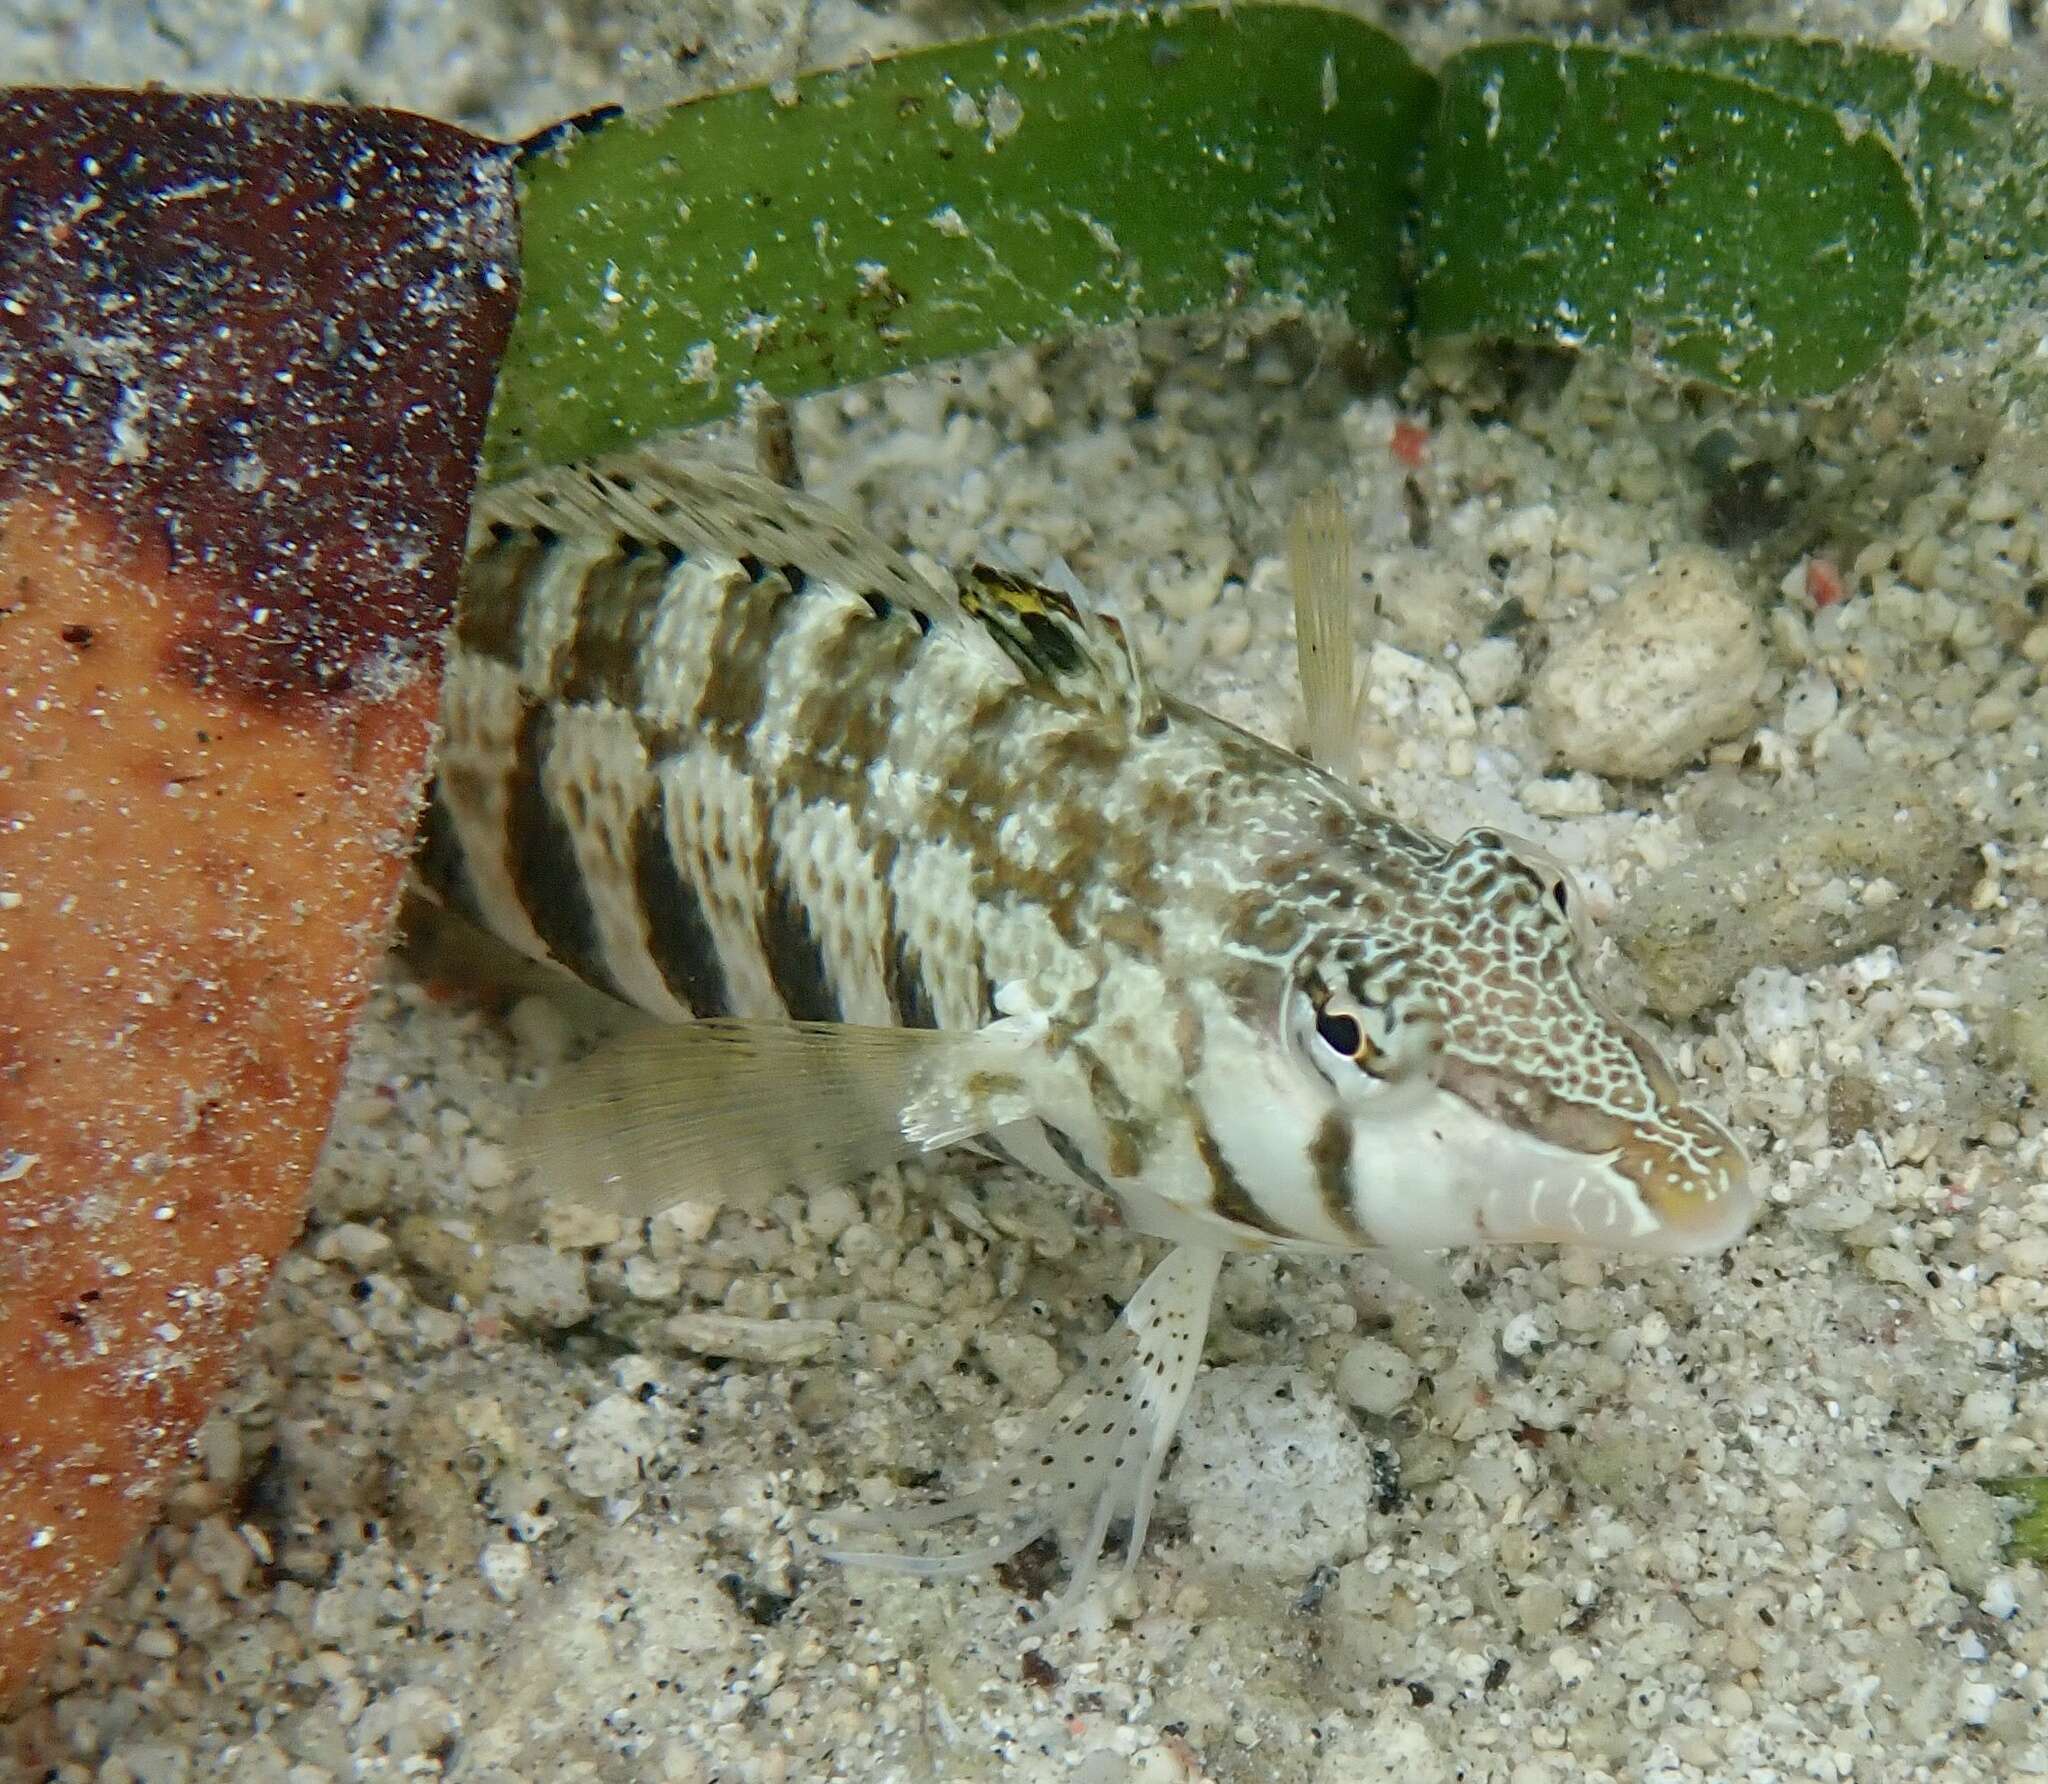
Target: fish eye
1363 1051
1340 1031
1562 895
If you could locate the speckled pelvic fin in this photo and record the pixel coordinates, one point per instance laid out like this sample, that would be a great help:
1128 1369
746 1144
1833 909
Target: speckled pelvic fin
1096 1450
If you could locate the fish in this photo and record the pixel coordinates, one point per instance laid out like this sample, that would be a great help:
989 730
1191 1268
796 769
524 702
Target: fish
897 865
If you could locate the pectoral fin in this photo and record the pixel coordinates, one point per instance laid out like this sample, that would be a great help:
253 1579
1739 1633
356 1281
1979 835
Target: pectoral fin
736 1112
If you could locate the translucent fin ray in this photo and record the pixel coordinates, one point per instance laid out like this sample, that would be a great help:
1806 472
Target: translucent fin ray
737 1112
652 497
1320 565
1097 1448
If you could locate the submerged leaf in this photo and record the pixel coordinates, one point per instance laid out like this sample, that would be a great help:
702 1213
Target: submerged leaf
952 200
1590 198
1973 153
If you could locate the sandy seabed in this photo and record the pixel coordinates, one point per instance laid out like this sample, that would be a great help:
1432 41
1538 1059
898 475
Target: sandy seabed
495 1507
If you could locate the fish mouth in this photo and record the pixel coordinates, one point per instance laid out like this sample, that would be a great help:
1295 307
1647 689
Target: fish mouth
1686 1173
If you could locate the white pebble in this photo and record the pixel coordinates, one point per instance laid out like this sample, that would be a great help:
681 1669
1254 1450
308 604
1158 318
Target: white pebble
570 1226
1986 1410
1975 1700
613 1442
1230 630
830 1213
1522 1334
506 1567
1185 584
157 1642
690 1222
1281 1476
1575 795
353 1244
751 1340
542 1285
407 1724
1810 703
486 1164
1376 1377
2001 1597
653 1279
1671 667
1965 1528
1569 1665
1490 669
1414 696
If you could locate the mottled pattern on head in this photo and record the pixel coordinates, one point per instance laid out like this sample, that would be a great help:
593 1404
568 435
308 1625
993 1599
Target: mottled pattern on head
1480 966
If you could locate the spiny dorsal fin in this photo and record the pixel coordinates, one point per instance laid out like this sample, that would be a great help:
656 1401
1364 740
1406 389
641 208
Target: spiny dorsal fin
1068 652
737 1112
652 498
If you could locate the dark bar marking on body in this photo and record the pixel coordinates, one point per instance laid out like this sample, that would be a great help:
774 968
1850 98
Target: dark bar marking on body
607 649
541 857
796 963
443 862
908 994
495 584
741 652
679 939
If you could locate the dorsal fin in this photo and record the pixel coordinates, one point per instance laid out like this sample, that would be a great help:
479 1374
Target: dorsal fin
1069 653
652 498
1319 561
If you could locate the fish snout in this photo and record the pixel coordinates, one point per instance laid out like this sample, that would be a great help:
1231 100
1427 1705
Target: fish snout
1693 1178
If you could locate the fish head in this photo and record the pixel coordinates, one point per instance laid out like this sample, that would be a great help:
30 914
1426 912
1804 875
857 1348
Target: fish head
1489 1094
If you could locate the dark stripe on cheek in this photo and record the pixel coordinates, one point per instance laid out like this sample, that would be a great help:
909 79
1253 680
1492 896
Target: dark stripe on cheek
1330 1155
542 858
679 939
1227 1193
795 961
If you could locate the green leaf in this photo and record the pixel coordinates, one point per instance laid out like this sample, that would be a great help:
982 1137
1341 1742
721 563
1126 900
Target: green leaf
2029 1540
951 200
1739 235
1974 157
